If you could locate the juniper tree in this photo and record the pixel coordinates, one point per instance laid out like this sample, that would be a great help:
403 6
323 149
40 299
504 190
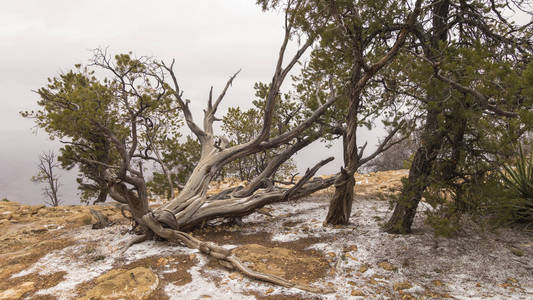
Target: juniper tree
465 67
365 37
82 111
84 145
80 152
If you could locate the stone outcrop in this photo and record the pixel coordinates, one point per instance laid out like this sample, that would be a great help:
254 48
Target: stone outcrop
18 291
137 283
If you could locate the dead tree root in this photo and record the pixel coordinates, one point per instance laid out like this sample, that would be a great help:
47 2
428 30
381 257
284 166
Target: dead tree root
137 240
225 257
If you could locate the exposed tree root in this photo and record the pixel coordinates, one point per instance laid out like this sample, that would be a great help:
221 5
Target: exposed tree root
137 240
225 257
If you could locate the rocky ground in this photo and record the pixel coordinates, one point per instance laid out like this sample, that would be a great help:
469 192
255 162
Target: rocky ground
53 253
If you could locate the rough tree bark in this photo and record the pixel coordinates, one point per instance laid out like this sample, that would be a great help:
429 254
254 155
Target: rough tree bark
418 179
102 195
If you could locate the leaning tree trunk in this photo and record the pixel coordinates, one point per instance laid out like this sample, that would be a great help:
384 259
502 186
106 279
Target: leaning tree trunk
419 178
421 168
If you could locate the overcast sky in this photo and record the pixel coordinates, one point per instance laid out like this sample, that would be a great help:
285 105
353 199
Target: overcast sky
210 40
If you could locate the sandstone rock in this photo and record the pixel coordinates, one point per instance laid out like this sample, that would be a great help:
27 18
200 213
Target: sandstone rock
348 255
437 282
35 208
18 291
137 283
39 229
356 293
6 271
5 215
235 276
80 218
350 248
404 285
363 268
102 220
162 261
385 265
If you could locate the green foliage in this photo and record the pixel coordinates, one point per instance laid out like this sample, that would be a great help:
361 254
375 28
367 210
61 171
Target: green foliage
517 179
97 118
494 204
5 200
444 222
496 198
340 60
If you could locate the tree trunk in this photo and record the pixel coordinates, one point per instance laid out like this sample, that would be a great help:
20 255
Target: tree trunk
340 206
419 175
137 203
341 203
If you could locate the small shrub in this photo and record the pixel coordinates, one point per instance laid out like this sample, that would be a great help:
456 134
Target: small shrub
5 200
444 216
443 224
518 177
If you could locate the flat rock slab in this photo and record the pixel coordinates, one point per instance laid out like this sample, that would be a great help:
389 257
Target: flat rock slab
18 291
137 283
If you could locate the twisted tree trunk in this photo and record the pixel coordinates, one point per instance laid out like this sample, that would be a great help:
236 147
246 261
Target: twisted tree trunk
340 206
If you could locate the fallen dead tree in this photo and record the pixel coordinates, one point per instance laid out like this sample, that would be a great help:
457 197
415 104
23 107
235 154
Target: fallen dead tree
193 206
143 92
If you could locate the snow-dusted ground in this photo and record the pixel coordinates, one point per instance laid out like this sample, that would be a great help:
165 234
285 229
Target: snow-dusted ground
476 265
